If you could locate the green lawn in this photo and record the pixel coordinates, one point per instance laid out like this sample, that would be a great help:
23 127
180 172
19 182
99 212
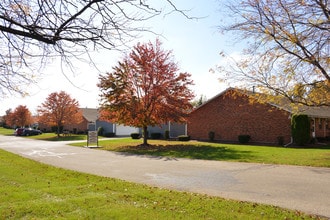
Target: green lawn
46 136
30 190
53 137
318 157
5 131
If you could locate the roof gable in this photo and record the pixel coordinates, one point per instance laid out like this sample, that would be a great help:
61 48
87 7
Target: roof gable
90 114
320 112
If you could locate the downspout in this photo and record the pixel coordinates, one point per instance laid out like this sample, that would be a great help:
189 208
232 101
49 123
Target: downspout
291 142
324 129
314 128
186 129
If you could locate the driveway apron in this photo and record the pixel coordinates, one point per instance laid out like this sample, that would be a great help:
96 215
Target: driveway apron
305 189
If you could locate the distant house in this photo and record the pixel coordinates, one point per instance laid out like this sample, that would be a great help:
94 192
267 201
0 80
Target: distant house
231 113
91 121
91 115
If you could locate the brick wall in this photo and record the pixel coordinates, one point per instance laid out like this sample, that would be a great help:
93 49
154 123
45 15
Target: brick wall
81 127
78 127
230 115
321 126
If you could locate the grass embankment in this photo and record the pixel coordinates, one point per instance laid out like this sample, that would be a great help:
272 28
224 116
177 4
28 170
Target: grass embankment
30 190
318 157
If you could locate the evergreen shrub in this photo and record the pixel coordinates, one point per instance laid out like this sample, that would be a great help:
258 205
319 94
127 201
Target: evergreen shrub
300 128
109 134
135 135
100 131
184 138
155 135
167 135
244 138
211 136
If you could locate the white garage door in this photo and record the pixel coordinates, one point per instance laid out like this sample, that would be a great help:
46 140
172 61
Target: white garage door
122 130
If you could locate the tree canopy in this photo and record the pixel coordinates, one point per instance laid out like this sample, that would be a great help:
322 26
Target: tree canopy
33 32
288 49
20 117
146 89
59 110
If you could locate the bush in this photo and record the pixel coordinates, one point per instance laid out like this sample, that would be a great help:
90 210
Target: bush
54 129
156 135
300 127
100 131
211 136
244 138
135 135
81 132
280 140
109 134
167 135
183 138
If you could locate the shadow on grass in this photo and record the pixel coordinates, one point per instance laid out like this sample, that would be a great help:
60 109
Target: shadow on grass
312 146
204 152
66 138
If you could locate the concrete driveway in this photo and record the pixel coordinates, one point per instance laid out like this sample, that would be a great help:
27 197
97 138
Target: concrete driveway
300 188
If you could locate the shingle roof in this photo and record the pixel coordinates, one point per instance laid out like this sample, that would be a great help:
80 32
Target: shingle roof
316 112
90 114
319 112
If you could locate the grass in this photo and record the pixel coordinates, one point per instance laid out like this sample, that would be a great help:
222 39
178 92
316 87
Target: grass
30 190
315 156
5 131
318 157
53 137
46 136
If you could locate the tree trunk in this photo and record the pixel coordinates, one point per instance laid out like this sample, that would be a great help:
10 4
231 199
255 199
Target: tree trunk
145 136
58 131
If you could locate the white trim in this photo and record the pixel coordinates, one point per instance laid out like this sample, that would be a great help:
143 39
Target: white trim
314 129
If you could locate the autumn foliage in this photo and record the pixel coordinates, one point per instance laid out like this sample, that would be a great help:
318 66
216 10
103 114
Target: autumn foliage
286 52
146 89
59 110
20 117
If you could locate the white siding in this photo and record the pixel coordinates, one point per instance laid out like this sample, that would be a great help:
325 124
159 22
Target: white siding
122 130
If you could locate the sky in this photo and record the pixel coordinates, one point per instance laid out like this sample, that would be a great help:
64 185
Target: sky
195 44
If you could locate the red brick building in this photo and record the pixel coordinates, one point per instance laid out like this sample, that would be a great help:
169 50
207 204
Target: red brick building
234 112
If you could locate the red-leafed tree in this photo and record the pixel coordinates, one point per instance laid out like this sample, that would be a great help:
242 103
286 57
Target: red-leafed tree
146 89
6 118
59 110
20 117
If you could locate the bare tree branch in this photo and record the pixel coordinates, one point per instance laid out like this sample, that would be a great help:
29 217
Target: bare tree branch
35 31
290 49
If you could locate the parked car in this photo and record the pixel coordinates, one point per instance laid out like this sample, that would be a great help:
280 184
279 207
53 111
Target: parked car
30 131
27 132
19 131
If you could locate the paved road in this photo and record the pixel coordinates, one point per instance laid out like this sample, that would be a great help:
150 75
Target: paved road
300 188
